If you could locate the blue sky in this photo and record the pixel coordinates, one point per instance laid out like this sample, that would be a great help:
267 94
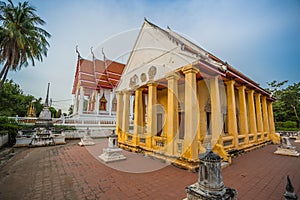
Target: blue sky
259 38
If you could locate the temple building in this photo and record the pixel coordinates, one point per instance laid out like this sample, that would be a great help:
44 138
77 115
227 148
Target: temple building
184 97
94 88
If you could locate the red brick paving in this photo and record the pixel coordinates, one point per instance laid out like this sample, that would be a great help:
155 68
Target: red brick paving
72 172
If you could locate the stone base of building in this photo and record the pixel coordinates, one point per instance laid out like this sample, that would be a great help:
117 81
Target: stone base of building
287 152
111 155
195 193
30 142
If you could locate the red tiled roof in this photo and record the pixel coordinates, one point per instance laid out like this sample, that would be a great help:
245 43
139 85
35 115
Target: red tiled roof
97 74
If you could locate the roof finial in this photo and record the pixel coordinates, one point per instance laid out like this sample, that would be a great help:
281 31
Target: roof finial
93 55
104 58
208 147
77 51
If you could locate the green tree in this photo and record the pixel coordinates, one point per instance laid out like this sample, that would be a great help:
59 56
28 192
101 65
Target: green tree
286 108
70 110
53 112
21 37
12 100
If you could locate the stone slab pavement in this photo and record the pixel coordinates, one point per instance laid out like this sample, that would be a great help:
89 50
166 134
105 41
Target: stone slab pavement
73 172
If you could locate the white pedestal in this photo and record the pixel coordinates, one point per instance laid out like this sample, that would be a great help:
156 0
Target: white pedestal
86 141
112 154
287 152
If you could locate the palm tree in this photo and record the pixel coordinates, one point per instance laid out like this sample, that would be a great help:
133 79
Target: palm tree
21 37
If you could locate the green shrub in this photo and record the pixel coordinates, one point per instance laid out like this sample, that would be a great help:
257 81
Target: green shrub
286 126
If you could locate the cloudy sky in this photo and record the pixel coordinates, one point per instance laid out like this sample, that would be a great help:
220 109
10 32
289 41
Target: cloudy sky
260 38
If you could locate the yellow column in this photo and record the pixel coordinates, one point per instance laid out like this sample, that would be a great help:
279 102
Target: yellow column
125 123
203 96
119 115
232 122
190 146
137 115
271 117
243 113
274 137
152 113
259 115
265 116
216 115
172 115
252 119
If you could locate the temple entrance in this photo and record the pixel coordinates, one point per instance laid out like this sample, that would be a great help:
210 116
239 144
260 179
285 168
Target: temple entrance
159 124
208 120
181 124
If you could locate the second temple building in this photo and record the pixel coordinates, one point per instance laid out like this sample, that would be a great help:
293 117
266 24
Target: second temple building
184 98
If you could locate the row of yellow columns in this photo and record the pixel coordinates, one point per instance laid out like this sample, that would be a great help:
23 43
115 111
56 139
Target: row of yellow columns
260 113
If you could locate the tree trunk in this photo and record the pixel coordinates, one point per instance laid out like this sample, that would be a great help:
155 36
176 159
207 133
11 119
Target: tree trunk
2 72
296 114
3 76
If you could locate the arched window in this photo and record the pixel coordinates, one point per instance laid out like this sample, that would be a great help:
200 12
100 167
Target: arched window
114 104
103 102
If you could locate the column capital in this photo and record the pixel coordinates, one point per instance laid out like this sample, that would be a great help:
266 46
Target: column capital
257 95
119 92
126 92
152 83
242 87
251 92
189 69
172 75
230 82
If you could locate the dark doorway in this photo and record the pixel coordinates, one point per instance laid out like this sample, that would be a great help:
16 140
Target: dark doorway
159 124
181 124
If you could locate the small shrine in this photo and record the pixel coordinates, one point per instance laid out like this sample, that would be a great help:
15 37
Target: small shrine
112 152
31 111
289 190
286 148
210 182
87 140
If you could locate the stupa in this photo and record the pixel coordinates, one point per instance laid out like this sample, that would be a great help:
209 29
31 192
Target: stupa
44 120
112 152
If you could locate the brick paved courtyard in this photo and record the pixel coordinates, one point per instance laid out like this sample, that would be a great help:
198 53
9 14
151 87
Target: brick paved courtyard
73 172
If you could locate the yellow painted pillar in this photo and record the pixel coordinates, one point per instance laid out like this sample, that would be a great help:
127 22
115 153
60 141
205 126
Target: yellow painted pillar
216 115
252 118
203 96
243 113
231 106
190 146
138 126
119 115
265 116
271 117
274 137
125 121
152 113
259 115
172 115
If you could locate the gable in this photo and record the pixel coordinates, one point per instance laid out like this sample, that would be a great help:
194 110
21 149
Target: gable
155 53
